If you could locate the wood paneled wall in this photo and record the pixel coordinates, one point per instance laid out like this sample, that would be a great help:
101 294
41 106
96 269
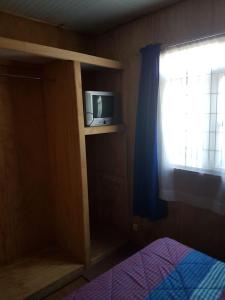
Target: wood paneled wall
107 177
24 225
186 20
28 30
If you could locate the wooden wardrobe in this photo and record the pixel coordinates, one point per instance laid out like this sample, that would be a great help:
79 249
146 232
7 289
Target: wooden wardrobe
63 186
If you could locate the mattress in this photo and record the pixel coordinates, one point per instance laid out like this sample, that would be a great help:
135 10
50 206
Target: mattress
166 269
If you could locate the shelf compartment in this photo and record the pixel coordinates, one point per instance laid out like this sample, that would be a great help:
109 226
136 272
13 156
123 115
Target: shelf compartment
104 129
105 241
38 275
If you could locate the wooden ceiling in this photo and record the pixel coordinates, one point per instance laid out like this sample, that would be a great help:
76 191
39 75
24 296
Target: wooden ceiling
87 16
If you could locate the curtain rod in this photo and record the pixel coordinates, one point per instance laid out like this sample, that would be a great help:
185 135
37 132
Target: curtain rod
19 76
170 46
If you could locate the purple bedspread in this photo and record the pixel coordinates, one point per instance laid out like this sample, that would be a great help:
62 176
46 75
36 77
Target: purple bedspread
165 269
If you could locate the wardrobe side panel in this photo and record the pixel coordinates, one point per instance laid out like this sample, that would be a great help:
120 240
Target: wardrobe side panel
64 156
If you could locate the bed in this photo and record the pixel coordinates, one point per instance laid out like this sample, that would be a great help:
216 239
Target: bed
165 269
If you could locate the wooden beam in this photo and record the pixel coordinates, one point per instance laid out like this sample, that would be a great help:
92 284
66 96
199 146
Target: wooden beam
83 159
55 53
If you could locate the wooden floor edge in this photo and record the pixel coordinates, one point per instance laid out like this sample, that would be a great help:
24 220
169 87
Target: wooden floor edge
58 284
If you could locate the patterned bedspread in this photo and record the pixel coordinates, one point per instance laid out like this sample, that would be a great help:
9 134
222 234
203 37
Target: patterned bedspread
165 269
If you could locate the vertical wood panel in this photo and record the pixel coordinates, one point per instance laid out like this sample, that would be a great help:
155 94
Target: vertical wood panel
107 174
64 154
83 159
9 186
24 225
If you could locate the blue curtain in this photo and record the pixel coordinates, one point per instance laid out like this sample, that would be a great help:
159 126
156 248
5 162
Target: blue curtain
146 201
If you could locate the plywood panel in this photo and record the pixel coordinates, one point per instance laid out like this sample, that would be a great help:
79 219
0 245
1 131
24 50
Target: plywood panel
9 175
104 242
68 289
23 164
65 159
107 177
23 29
38 275
103 129
20 50
83 158
100 79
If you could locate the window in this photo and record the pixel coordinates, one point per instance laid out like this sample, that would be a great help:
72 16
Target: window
192 106
191 125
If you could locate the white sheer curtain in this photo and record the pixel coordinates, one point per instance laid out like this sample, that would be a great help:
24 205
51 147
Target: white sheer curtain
191 125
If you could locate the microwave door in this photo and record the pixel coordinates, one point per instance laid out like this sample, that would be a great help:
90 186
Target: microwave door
99 105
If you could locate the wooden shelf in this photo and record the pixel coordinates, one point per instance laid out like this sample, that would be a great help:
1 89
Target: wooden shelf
105 241
37 276
104 129
20 50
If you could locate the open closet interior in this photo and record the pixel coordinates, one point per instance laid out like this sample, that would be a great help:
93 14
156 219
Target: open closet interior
64 201
41 228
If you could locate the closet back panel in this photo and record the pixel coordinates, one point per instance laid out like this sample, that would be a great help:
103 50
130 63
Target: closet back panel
24 225
106 157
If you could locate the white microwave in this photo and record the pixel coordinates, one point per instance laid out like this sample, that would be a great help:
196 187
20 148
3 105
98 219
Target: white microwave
101 108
